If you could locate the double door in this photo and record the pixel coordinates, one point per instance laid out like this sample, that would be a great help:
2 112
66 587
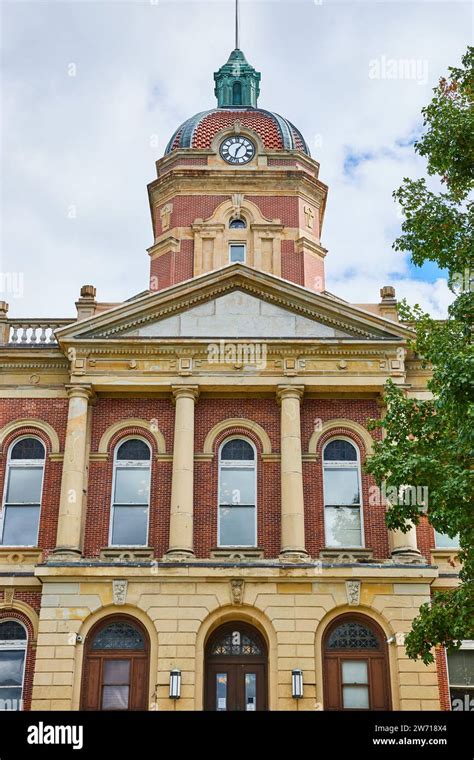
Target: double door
236 686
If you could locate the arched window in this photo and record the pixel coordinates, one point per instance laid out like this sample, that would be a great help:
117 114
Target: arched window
356 675
116 666
131 494
342 501
237 94
13 641
23 489
238 224
237 494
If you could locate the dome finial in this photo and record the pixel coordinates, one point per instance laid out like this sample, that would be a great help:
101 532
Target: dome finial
237 82
237 25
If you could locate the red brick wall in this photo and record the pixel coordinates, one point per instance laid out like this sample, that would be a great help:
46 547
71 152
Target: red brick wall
209 412
425 538
105 413
33 598
291 263
266 413
161 275
313 273
188 208
171 268
54 412
313 414
443 681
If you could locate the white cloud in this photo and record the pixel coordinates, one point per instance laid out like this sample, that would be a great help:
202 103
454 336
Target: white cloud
86 141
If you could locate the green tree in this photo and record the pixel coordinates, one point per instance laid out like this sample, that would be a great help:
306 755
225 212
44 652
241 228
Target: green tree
430 442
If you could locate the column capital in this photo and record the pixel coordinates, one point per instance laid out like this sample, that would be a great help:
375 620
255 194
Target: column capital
80 391
289 391
185 391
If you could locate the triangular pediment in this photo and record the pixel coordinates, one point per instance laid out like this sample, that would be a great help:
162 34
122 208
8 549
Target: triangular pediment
235 302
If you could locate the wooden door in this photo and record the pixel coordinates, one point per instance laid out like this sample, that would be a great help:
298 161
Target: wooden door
235 686
356 673
236 670
116 666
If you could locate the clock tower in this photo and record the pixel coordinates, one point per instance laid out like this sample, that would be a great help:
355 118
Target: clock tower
237 184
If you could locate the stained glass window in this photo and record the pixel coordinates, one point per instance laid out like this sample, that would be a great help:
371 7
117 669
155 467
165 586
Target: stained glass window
352 635
10 630
340 451
237 224
235 644
27 448
134 449
118 635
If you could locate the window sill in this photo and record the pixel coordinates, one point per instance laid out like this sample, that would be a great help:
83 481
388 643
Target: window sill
340 554
446 557
237 552
126 553
20 555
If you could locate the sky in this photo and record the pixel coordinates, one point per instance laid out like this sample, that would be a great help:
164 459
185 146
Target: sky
92 91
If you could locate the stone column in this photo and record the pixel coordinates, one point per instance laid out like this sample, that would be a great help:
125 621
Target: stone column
292 502
68 539
404 547
182 486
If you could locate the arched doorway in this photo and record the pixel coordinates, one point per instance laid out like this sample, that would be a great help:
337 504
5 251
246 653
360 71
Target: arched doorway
116 665
356 672
236 669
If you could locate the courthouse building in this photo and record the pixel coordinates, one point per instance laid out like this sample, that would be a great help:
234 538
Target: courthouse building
186 522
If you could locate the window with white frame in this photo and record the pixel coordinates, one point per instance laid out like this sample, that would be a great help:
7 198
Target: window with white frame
461 677
13 641
130 494
342 494
237 252
443 541
237 494
22 495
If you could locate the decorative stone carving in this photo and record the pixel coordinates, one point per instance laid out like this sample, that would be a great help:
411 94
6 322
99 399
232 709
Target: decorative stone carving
119 591
309 216
237 591
353 593
237 200
8 595
165 215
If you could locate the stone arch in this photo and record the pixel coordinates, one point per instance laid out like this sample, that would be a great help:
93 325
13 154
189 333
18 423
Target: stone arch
225 211
242 424
20 611
337 427
244 614
27 426
108 611
134 425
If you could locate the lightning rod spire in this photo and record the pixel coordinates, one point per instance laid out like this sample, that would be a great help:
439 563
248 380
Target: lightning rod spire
237 25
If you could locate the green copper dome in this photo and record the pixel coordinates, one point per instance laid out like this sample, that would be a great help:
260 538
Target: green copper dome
237 83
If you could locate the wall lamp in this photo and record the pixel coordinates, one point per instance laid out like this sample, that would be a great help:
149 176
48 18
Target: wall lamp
297 684
175 683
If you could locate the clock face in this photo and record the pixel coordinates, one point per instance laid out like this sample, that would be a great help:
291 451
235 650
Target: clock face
237 150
